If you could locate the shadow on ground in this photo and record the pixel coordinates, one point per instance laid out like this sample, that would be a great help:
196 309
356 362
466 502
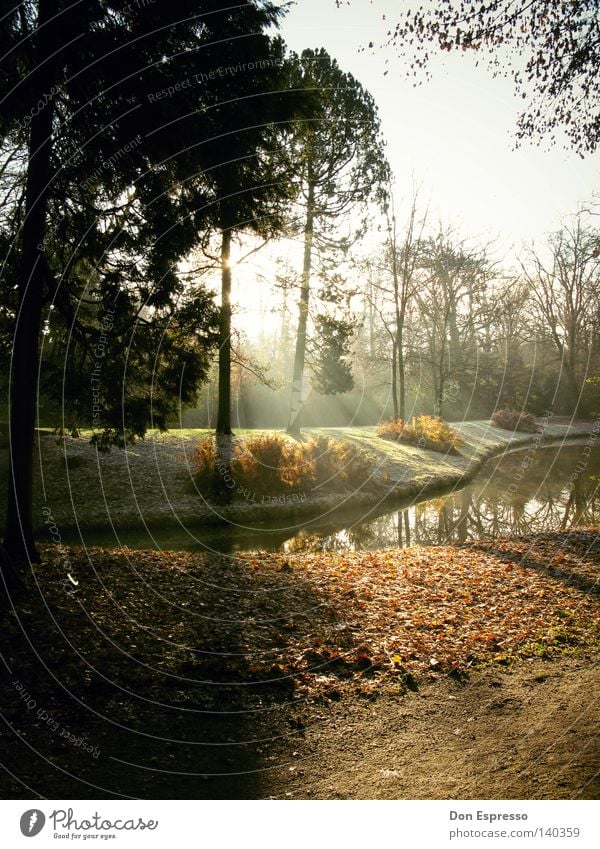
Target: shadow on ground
145 684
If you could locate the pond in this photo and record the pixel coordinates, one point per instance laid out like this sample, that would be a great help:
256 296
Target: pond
524 491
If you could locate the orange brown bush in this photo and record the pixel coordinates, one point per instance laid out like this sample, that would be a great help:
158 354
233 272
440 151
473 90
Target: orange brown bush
515 420
429 432
271 464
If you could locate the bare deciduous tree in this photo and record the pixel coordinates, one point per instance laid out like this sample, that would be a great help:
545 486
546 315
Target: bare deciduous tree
565 290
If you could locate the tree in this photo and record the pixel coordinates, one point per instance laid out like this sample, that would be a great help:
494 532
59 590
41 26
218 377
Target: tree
56 106
402 260
551 50
394 274
332 372
504 379
339 163
18 542
114 150
375 344
449 306
565 291
248 175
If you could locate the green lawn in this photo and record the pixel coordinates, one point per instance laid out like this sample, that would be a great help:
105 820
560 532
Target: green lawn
151 481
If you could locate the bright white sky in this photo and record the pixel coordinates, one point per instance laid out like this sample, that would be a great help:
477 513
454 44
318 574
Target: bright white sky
454 135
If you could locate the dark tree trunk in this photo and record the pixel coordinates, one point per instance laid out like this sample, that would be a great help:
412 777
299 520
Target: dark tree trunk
371 314
300 355
19 542
441 388
395 379
224 407
401 374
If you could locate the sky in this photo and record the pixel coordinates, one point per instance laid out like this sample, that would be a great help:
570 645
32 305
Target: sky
454 134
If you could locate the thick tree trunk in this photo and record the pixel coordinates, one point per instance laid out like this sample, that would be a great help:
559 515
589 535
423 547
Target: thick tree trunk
296 401
224 406
395 379
401 374
224 483
19 542
440 389
575 384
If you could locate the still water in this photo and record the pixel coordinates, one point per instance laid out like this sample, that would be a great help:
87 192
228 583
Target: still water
524 491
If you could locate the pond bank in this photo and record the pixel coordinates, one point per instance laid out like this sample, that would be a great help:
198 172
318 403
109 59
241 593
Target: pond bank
150 483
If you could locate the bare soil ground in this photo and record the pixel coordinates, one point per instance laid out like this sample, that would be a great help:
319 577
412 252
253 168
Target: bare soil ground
528 732
470 671
531 732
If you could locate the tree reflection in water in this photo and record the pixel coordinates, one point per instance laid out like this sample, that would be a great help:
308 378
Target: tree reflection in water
519 493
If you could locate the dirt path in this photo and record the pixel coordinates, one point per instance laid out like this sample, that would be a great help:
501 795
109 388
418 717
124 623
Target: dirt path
531 732
331 675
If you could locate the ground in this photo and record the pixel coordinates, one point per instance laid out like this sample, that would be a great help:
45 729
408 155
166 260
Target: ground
151 483
530 732
464 671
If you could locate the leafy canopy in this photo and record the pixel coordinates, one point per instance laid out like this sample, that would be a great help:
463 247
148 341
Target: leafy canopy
145 111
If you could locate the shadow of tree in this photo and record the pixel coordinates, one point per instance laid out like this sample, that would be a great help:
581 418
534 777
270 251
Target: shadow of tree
152 682
555 556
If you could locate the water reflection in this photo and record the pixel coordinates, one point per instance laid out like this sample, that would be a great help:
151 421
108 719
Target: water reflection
527 491
522 492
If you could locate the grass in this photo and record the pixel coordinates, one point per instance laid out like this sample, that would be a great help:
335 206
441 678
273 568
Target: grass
152 480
